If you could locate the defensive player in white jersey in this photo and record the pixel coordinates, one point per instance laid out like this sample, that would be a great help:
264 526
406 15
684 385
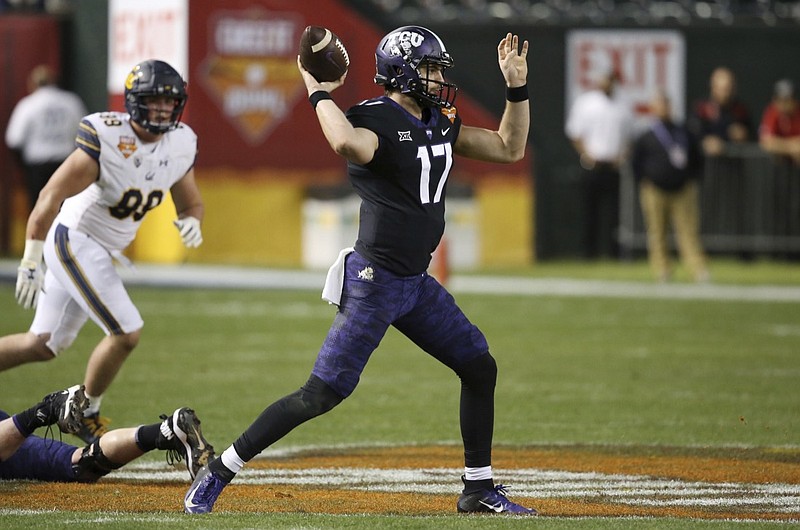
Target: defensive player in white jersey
123 166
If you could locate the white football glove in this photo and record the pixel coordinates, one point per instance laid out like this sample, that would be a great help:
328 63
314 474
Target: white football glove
30 278
189 227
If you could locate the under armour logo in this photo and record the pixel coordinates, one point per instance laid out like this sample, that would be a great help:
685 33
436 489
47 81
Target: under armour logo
405 136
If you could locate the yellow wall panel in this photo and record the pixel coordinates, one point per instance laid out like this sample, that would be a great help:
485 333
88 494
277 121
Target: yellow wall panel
506 227
256 218
250 222
18 221
247 221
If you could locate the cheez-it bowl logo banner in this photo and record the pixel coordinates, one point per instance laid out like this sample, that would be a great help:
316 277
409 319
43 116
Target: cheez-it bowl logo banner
251 69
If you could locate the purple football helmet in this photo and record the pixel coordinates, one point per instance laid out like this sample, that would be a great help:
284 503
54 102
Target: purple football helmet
154 78
400 60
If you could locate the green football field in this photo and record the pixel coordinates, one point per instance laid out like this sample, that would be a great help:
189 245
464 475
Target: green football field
645 372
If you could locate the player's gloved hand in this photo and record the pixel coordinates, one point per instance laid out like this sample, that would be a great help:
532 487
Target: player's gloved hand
189 227
30 278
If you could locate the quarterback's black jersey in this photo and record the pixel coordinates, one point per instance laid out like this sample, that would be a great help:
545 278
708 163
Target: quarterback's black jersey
402 189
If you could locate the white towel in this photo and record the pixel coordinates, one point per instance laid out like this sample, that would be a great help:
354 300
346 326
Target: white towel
334 282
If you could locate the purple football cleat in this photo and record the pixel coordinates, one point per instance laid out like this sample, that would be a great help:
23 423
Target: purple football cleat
491 501
203 492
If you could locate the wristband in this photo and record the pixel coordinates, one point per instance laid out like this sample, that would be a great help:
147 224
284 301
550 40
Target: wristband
519 93
34 248
318 96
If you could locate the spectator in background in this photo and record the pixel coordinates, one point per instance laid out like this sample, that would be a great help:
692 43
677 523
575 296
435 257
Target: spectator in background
41 130
722 118
779 132
720 124
665 162
779 135
599 127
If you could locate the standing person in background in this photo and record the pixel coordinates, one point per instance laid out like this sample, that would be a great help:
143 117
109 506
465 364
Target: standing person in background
720 124
42 127
399 149
779 132
666 162
779 135
600 128
722 118
88 213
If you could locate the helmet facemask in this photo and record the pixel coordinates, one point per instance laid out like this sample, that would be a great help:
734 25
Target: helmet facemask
158 126
431 92
154 79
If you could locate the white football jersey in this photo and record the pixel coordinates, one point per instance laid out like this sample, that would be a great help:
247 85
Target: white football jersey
134 177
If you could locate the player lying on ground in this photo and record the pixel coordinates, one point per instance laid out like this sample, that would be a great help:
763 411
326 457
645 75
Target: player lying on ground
26 456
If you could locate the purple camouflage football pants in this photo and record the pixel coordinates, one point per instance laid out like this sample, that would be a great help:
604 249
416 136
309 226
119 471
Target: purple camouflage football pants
374 299
39 459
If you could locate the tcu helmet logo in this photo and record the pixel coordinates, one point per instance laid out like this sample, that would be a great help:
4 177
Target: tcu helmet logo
402 42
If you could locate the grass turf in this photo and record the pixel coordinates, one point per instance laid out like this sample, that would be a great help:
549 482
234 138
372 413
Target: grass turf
577 370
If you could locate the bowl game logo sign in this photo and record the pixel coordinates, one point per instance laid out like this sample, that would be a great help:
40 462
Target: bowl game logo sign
250 70
644 61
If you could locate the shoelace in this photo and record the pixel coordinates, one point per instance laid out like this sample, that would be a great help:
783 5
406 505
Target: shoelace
173 456
49 437
501 489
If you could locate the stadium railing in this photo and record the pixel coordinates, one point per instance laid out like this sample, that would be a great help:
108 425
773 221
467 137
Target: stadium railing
749 203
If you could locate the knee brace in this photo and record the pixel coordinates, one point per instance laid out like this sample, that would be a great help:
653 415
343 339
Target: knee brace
93 464
479 373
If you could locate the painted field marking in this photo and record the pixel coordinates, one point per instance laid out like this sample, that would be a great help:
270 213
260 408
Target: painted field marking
630 490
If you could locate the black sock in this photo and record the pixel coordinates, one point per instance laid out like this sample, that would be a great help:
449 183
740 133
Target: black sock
474 486
147 437
219 469
28 420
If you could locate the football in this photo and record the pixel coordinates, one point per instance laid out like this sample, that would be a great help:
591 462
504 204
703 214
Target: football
323 54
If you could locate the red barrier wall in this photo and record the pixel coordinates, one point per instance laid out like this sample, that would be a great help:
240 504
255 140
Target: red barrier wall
247 99
25 41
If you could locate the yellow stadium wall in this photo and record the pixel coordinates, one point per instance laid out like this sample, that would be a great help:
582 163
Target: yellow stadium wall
18 221
250 219
506 221
254 218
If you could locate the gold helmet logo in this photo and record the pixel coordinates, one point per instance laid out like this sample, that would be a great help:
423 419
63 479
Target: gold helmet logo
131 76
